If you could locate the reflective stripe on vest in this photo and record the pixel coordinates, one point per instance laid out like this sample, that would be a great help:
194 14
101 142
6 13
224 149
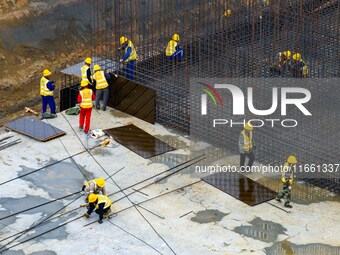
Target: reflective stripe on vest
133 55
103 199
86 98
247 141
44 91
84 73
87 184
99 76
171 48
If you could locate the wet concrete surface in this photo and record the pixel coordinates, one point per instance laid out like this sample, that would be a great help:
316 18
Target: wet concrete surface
58 180
262 230
25 203
13 253
46 252
287 248
208 216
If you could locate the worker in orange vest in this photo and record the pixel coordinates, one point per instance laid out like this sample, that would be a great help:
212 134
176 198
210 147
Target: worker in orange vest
85 98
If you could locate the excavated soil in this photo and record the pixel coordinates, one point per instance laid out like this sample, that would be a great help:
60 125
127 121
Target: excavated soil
35 35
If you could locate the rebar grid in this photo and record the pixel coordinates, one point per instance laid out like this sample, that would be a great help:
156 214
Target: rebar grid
243 44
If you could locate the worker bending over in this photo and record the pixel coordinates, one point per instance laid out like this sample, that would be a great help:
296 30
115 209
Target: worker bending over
173 50
94 186
101 205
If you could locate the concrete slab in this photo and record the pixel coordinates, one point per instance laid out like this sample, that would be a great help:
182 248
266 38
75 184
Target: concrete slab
198 219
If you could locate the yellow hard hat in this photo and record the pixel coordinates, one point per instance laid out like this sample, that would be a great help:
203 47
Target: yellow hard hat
297 56
46 72
88 61
122 39
175 37
287 53
292 159
96 68
84 83
248 127
92 198
100 182
227 12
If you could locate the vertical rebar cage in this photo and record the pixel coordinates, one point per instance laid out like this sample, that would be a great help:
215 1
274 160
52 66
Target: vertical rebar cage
221 39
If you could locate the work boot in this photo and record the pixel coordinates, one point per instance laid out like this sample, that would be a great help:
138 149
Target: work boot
287 204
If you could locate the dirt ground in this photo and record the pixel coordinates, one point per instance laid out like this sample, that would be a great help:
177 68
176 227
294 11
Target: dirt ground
35 36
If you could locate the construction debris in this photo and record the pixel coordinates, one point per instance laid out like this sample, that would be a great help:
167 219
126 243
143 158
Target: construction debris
29 110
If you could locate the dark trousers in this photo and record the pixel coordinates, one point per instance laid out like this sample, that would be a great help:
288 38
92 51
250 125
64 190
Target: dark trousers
250 156
101 213
105 93
85 116
130 70
48 100
177 55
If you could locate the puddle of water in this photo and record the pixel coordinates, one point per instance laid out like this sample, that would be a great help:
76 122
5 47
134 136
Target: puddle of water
58 180
266 231
13 252
46 252
170 159
208 216
287 248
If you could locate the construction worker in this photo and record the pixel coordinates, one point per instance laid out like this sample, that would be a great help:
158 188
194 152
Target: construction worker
94 186
101 204
246 146
129 57
299 68
46 92
282 62
86 71
264 2
85 98
174 51
227 13
100 80
287 181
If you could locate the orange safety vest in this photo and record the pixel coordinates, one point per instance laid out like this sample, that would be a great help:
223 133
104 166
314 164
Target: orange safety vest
86 98
99 76
44 91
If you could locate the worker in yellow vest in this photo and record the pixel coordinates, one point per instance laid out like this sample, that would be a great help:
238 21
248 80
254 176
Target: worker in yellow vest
174 51
100 80
101 205
85 98
299 68
246 145
287 181
282 63
130 56
46 92
86 71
